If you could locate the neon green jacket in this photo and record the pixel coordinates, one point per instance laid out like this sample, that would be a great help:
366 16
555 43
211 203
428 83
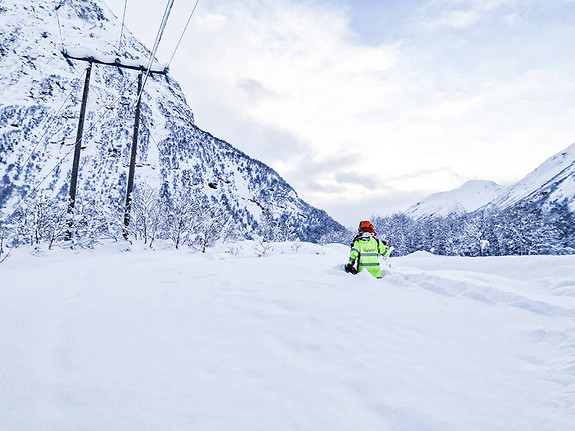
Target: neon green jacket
367 250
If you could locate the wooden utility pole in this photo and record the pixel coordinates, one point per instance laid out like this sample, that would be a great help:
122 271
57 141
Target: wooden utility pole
76 164
130 185
78 148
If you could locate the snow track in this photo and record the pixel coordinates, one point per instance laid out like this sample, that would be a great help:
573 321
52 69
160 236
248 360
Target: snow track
120 338
481 290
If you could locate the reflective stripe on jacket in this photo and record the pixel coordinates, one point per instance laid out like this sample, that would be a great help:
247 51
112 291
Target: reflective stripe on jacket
367 250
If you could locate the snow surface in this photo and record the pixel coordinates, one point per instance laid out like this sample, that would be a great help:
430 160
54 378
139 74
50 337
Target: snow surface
126 338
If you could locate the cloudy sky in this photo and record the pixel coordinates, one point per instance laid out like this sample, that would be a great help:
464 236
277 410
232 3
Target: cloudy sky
366 106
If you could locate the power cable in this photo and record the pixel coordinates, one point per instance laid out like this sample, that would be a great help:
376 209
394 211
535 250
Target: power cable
154 51
122 30
159 35
59 25
157 43
94 124
51 121
62 46
183 32
106 111
65 156
152 134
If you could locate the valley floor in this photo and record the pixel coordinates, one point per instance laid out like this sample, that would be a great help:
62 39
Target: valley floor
122 338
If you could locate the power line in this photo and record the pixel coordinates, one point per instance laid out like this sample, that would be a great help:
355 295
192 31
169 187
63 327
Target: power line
62 46
157 43
59 25
104 114
107 111
183 32
51 121
122 30
131 174
141 84
151 60
63 158
153 136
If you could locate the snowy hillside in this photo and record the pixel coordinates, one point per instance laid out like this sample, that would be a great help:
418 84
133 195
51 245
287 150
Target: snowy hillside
551 183
39 110
124 339
467 198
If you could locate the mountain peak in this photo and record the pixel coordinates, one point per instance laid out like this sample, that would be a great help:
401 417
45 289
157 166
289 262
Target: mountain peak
470 196
553 182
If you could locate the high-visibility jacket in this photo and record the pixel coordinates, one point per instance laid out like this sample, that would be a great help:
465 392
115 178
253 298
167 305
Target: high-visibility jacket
367 250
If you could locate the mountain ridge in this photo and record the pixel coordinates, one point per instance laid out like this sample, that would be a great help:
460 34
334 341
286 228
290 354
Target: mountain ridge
471 196
551 183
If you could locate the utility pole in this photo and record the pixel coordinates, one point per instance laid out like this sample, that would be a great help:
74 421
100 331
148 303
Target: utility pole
74 180
78 148
132 171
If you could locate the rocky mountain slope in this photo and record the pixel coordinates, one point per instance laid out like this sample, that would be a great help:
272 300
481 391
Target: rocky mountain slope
39 109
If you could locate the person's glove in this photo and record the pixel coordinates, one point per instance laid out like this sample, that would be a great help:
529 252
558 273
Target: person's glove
350 268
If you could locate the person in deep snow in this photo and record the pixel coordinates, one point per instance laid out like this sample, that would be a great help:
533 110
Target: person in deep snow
365 248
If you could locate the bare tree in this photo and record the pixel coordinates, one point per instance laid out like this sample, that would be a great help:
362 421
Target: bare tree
147 212
213 224
182 217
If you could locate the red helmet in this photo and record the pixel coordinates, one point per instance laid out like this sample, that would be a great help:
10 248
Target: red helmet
366 226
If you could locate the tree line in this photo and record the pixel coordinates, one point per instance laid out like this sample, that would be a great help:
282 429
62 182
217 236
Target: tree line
191 219
184 218
524 229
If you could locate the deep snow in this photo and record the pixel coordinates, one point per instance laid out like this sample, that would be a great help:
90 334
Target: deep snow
125 338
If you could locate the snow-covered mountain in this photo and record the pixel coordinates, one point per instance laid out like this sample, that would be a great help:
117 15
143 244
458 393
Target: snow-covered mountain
469 197
550 184
39 109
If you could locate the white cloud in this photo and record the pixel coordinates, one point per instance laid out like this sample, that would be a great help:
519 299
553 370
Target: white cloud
458 19
295 68
291 84
462 14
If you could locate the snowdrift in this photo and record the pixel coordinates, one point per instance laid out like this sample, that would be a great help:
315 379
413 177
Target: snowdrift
127 338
